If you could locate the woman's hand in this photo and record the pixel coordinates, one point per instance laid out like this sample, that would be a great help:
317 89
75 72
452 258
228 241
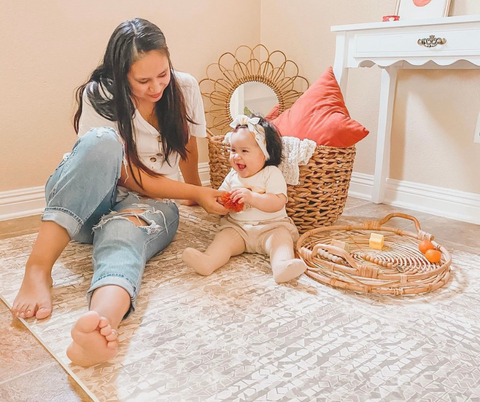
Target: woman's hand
207 198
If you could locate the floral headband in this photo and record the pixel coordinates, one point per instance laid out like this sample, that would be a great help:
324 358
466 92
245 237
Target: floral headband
256 130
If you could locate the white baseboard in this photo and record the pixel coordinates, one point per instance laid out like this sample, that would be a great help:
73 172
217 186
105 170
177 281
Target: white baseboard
438 201
22 202
31 201
361 186
434 200
204 172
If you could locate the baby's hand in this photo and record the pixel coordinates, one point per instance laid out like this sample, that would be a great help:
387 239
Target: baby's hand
242 196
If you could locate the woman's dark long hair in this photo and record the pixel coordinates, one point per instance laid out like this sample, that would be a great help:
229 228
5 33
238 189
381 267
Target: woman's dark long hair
109 92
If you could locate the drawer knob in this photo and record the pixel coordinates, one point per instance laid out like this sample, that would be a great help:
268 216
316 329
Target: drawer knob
431 41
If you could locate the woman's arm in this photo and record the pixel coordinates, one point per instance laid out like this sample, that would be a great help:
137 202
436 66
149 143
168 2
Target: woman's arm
161 187
189 167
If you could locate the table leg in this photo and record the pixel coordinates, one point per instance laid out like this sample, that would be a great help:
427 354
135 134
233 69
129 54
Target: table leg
382 157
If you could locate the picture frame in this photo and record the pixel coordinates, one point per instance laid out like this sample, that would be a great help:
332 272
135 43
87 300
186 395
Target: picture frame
422 9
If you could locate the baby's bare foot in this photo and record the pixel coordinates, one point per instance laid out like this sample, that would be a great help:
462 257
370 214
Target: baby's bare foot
34 297
287 270
94 340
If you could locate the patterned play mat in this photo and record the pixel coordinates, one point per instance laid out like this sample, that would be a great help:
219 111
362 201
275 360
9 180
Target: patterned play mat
238 336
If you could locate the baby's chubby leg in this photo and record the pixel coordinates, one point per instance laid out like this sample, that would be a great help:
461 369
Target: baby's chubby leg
285 266
226 244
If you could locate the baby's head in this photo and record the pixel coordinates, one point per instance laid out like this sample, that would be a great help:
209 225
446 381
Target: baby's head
254 144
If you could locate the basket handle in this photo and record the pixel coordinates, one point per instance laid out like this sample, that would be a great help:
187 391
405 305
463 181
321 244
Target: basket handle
422 235
400 215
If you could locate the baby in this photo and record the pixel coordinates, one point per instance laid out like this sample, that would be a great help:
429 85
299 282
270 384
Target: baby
256 184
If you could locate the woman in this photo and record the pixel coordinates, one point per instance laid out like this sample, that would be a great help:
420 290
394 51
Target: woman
137 120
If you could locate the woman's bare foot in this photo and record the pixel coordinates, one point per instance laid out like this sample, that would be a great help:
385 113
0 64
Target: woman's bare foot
94 340
34 297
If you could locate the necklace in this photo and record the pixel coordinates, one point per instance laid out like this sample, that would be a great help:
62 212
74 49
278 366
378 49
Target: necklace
152 119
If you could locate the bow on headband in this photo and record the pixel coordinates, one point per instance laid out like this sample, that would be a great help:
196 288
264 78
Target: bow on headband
255 129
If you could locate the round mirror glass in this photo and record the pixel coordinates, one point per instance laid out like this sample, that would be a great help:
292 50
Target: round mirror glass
256 96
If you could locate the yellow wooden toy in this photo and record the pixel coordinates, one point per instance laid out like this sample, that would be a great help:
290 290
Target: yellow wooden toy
376 241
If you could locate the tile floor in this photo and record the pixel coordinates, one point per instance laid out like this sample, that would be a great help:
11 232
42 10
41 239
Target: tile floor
27 370
29 373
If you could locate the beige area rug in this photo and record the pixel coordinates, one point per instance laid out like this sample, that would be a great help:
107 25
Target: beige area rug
238 336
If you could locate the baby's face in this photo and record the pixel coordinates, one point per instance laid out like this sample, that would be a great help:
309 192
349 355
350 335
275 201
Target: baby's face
246 157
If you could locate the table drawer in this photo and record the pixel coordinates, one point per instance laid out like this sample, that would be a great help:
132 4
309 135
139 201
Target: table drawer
405 44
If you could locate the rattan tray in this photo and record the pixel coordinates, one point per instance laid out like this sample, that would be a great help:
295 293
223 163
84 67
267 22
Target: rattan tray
398 269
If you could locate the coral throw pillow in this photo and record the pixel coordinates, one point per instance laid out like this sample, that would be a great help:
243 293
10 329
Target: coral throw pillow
320 115
274 113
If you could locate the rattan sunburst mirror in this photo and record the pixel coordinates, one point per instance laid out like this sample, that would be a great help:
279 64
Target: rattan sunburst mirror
248 65
319 198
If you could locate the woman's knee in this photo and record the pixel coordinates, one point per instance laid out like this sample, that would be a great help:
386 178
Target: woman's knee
102 143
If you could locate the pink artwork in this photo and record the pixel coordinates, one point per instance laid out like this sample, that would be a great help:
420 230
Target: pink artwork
421 3
421 9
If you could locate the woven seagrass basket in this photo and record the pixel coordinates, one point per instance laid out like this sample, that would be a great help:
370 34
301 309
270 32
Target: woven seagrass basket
320 197
399 268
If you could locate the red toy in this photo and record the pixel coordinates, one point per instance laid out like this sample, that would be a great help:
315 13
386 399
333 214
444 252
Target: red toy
387 18
230 204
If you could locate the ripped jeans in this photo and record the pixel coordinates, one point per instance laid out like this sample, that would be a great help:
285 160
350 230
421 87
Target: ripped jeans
81 197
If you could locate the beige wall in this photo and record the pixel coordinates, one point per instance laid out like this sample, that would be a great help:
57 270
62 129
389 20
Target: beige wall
435 111
49 48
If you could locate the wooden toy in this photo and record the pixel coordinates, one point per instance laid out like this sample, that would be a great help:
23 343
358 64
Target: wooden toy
376 241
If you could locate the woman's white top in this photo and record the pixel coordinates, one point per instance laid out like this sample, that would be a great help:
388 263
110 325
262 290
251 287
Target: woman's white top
147 137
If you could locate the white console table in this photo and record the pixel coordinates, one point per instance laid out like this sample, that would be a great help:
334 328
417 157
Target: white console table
450 42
